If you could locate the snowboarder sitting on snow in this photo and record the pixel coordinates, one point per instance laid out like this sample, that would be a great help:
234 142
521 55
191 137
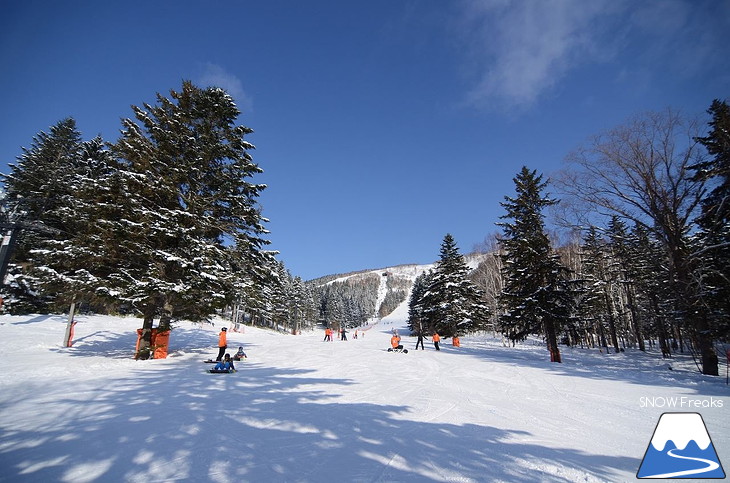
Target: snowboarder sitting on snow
225 365
395 342
239 355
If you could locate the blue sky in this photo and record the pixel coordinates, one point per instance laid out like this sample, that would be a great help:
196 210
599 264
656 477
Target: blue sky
381 125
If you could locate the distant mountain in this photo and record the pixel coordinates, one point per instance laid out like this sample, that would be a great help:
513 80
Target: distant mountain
392 289
406 270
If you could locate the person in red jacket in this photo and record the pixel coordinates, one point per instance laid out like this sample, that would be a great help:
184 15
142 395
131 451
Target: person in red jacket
222 344
436 339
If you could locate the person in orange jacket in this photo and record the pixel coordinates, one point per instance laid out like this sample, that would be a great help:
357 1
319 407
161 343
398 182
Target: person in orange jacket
395 342
222 344
436 338
455 341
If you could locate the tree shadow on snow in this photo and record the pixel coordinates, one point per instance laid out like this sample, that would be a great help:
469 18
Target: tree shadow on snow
266 424
631 366
122 346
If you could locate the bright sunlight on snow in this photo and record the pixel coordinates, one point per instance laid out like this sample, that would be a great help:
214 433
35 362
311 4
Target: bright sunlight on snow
300 409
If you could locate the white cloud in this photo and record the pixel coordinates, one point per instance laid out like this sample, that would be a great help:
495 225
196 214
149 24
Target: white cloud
216 76
521 49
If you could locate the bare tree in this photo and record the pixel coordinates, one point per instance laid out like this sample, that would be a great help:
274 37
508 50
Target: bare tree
641 172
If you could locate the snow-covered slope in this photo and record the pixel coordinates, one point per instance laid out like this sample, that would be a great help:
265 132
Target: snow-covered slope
407 273
300 409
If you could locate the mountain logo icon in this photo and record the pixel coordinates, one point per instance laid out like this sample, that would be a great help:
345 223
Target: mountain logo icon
681 448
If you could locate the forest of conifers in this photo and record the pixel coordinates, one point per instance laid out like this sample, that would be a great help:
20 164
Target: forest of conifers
629 245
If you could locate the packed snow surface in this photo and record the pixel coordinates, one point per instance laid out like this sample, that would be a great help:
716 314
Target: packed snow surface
303 410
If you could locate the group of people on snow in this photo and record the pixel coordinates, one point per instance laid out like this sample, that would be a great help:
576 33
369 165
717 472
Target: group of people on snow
436 338
328 332
224 361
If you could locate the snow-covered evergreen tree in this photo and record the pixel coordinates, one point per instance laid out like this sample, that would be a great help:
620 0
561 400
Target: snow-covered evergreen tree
536 298
348 303
626 272
713 264
191 206
71 266
39 188
415 303
593 301
452 304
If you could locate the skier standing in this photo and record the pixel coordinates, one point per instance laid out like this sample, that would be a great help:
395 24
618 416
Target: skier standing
436 339
222 344
420 341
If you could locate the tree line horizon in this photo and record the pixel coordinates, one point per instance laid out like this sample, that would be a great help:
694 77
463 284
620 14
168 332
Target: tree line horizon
165 223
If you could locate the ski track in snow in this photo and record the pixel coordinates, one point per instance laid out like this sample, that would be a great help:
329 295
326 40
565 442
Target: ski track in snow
303 410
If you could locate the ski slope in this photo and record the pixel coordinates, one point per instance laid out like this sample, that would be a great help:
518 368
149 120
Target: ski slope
303 410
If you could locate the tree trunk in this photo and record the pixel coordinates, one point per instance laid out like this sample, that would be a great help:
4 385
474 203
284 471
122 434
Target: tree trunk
611 319
166 317
145 344
552 341
635 318
691 307
67 338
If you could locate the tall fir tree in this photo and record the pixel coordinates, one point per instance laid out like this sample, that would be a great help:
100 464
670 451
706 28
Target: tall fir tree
714 221
452 304
191 217
71 267
625 273
653 285
593 307
536 298
415 303
39 187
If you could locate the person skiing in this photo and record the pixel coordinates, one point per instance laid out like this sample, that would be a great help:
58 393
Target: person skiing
420 341
239 355
344 334
395 343
222 344
225 365
455 341
327 335
436 338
